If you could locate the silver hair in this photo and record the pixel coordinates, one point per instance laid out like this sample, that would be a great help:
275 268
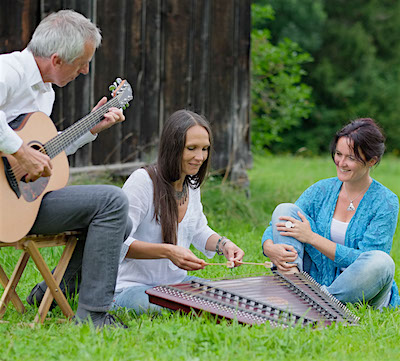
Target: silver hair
65 32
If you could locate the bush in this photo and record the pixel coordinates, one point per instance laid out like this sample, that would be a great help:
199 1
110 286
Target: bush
279 99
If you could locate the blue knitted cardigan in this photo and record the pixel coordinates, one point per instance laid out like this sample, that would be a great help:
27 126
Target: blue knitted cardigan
371 228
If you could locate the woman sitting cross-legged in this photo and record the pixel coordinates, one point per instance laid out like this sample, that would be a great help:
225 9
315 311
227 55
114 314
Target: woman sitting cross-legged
341 229
167 215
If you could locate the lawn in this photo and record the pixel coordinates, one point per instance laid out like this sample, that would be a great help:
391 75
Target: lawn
241 216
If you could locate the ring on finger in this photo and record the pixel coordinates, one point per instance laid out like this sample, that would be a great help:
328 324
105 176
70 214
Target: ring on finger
289 224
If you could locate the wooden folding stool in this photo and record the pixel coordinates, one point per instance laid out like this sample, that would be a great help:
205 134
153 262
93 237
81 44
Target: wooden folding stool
30 246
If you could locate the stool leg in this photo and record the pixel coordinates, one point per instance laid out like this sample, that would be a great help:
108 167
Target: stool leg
32 249
9 290
58 275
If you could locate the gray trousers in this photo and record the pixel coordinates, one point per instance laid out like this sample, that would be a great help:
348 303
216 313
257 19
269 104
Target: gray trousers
102 212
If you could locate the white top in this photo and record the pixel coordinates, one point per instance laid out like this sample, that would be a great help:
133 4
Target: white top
338 231
22 91
193 229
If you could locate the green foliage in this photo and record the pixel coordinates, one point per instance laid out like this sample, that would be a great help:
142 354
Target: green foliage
356 67
279 99
187 337
299 20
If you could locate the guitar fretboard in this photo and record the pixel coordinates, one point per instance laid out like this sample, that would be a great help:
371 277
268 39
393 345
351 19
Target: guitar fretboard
61 141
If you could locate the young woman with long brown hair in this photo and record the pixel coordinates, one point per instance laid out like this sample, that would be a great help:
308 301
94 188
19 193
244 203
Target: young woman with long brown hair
167 215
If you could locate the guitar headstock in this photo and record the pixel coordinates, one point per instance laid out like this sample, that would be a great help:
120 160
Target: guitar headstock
122 90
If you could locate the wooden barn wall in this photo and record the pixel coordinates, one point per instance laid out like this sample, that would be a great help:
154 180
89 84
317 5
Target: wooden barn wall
191 54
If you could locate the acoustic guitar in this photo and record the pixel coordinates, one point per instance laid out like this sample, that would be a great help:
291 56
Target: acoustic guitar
20 200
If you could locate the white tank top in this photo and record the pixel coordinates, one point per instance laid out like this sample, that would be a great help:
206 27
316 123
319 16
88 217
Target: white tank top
338 234
338 231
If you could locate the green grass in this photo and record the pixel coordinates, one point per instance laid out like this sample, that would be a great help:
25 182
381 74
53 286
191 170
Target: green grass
185 337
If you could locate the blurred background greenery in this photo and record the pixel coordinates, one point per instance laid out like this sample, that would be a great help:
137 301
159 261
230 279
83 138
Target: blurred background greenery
316 64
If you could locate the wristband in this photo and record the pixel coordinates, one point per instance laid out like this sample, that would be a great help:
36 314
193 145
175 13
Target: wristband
219 250
224 242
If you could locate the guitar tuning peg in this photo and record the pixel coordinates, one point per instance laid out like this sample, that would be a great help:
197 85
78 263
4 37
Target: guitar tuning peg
112 87
126 105
118 80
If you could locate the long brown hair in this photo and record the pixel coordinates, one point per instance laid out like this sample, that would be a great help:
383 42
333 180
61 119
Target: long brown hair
168 169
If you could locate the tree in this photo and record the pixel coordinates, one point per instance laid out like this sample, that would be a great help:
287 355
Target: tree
356 68
279 98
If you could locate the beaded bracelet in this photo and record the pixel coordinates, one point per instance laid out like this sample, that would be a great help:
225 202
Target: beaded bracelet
217 249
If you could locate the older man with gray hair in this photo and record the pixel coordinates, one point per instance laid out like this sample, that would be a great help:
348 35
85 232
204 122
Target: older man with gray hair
61 48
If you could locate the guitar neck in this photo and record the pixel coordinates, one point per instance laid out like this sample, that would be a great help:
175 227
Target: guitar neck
60 142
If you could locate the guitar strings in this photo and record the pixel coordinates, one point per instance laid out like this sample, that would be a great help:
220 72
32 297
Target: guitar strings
86 123
58 143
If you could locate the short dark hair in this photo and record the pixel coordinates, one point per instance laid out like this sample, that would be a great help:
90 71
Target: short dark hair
367 137
168 169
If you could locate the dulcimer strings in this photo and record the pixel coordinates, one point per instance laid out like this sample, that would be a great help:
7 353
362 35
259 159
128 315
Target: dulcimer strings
273 280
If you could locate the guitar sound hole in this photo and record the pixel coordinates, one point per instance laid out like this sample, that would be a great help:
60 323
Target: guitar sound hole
35 145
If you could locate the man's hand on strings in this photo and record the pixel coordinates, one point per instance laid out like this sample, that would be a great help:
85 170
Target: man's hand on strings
32 163
113 116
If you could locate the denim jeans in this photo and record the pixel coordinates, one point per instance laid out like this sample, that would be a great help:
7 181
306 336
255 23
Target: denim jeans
102 212
369 278
135 298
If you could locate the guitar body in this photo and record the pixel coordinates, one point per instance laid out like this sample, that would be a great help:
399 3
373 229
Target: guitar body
20 204
20 201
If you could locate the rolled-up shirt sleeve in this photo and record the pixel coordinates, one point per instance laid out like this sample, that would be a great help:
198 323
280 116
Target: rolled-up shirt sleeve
267 235
125 248
80 142
10 142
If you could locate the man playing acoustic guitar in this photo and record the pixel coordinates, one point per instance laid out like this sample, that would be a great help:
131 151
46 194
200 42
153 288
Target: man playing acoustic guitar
61 48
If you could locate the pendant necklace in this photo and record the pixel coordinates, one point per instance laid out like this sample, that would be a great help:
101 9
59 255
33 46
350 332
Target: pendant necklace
351 207
181 196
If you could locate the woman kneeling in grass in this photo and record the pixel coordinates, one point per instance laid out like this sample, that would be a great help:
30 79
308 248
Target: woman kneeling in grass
341 229
167 215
